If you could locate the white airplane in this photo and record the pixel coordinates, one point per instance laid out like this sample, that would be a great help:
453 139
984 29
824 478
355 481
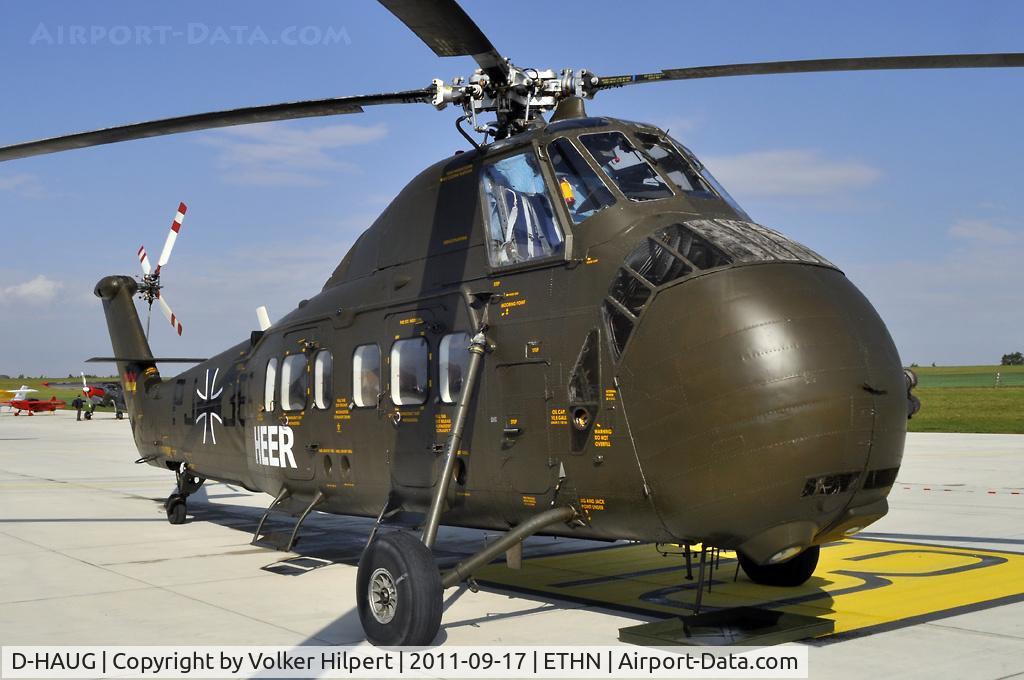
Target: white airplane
16 395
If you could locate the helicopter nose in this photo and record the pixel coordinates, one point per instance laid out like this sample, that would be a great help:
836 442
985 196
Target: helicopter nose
768 407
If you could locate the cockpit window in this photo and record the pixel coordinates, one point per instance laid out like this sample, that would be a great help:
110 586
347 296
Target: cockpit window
581 189
710 179
521 223
673 165
628 169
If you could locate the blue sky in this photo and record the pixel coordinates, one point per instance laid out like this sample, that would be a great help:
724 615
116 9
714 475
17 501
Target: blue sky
910 182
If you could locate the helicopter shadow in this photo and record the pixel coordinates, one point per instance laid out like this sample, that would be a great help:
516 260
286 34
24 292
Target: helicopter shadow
325 540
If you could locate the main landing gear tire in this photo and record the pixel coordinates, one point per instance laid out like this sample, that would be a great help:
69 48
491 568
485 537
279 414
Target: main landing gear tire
398 591
791 573
176 509
120 415
88 415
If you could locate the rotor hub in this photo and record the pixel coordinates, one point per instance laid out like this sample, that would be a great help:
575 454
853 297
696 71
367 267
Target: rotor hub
517 102
149 287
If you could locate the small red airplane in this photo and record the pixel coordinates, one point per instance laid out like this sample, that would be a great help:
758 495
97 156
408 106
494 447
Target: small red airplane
33 406
98 394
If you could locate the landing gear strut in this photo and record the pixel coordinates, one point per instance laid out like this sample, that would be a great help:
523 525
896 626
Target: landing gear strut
398 585
176 506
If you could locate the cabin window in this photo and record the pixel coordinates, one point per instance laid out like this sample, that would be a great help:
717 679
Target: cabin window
625 166
409 367
673 165
581 189
453 363
323 367
520 219
294 382
366 375
268 385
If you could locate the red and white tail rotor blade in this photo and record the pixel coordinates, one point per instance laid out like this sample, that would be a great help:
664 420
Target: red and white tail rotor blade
144 261
175 322
165 255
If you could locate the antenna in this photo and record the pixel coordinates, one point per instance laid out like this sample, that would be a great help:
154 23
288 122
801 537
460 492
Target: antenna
263 317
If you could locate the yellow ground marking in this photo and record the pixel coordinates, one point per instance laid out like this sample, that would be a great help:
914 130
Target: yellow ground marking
859 584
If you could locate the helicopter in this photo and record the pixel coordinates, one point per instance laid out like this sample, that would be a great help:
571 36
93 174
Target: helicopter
568 329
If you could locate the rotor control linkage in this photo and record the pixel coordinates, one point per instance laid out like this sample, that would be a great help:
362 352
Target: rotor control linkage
477 348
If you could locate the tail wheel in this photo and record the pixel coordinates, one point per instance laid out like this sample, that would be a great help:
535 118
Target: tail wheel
398 591
791 573
176 509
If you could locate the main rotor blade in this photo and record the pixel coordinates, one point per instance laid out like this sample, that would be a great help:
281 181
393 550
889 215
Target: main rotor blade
447 29
1008 59
214 119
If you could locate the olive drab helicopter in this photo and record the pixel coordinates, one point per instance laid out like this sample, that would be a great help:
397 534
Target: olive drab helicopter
569 329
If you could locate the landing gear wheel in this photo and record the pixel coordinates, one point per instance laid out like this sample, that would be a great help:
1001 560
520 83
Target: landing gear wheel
176 509
791 573
120 415
88 415
398 591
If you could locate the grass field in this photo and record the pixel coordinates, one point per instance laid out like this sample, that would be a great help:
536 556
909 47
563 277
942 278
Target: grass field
47 392
970 376
967 399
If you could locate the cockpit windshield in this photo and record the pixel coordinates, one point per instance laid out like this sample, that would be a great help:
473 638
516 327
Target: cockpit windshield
520 219
711 181
579 186
625 166
672 164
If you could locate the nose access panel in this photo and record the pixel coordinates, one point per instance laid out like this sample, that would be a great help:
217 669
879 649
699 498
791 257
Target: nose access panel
761 396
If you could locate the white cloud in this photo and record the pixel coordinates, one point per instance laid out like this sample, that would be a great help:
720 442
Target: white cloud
984 232
24 184
789 172
40 290
275 154
958 308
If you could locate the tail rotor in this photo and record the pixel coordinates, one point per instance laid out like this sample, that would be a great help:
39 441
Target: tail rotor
150 286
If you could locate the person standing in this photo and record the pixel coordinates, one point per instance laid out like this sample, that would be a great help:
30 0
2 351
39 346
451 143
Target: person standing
77 404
